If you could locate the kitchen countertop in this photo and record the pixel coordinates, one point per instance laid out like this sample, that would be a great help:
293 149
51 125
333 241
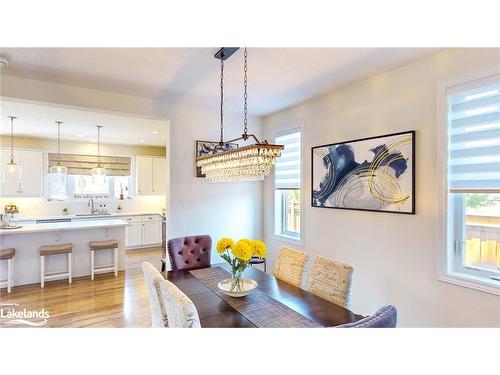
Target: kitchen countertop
55 217
67 226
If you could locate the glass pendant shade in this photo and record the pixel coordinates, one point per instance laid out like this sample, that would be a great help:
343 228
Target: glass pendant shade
98 175
11 172
58 173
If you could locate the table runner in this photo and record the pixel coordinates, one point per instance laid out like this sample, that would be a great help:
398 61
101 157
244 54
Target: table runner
261 309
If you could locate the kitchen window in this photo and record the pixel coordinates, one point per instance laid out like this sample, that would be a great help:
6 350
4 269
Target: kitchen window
82 187
470 212
287 182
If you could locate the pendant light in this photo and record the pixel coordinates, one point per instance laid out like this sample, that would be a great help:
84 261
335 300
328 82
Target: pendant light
58 172
98 173
247 163
11 172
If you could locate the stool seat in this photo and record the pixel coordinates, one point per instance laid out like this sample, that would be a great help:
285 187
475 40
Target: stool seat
7 254
103 245
56 249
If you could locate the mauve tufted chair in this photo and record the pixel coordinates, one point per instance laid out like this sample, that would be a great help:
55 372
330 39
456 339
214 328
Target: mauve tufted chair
385 317
190 252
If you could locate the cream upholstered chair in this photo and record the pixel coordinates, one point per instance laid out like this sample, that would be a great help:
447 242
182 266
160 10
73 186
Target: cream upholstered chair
332 281
158 310
289 265
181 311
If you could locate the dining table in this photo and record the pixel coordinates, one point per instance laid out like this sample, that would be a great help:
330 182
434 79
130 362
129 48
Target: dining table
273 304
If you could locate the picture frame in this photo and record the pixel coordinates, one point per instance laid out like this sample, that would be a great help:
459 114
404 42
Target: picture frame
367 174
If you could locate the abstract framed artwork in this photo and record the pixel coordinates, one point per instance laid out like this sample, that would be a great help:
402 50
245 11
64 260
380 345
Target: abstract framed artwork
369 174
208 147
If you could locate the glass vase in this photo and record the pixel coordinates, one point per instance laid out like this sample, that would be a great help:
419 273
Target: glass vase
236 280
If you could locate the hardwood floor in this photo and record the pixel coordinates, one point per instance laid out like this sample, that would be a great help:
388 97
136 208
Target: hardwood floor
107 301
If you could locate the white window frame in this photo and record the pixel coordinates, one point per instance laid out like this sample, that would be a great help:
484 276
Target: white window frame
443 241
278 205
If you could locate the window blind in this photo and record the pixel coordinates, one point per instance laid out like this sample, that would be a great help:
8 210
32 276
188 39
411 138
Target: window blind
287 170
83 164
474 137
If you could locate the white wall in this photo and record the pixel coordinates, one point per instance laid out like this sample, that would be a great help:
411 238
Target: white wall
197 207
394 256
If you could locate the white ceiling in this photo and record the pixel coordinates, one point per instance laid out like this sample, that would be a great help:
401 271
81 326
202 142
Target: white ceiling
38 120
277 77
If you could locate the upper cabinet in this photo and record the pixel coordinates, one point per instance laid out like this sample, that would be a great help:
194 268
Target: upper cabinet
151 178
31 184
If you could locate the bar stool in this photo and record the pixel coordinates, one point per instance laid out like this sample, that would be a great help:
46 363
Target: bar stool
8 255
103 245
48 250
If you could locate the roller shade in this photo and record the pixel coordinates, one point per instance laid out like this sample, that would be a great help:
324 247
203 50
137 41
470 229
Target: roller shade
287 173
474 137
83 164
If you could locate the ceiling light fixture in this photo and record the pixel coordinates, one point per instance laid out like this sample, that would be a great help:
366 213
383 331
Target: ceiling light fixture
98 173
248 163
58 172
11 172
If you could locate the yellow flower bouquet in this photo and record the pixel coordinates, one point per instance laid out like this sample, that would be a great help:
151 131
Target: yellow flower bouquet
238 255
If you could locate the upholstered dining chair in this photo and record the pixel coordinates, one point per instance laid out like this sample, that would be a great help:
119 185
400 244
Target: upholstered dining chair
289 265
385 317
331 280
158 310
190 252
181 311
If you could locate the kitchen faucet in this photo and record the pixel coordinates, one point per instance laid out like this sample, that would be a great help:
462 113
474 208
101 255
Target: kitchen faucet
91 204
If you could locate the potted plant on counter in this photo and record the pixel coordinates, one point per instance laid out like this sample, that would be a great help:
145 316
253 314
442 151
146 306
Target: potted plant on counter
65 211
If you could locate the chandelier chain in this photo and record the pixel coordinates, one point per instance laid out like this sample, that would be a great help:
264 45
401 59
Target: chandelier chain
221 101
12 138
245 95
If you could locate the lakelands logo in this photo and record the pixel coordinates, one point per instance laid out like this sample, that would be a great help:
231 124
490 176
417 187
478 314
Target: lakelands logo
11 314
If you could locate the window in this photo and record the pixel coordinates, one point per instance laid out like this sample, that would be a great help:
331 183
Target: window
473 183
82 187
287 182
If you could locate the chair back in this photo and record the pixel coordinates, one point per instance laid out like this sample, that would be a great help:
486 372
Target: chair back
181 311
385 317
190 252
289 265
153 279
332 281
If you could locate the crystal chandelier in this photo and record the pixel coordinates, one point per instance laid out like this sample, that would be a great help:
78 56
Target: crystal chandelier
58 172
248 163
11 172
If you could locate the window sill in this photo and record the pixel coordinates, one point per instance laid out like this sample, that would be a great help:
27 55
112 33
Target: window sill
472 282
288 239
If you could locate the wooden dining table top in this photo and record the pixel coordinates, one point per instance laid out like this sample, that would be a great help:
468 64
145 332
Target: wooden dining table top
215 312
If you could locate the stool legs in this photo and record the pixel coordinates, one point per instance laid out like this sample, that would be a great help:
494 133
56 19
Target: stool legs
42 271
9 274
115 261
69 269
92 264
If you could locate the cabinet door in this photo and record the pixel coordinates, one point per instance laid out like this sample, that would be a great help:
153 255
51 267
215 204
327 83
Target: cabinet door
9 189
144 175
152 233
32 173
135 234
159 176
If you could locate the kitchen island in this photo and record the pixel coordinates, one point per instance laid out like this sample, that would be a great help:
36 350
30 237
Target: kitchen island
28 239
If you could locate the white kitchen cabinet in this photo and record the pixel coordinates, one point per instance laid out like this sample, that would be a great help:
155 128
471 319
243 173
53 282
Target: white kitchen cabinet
143 231
31 182
135 235
150 175
159 175
151 233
